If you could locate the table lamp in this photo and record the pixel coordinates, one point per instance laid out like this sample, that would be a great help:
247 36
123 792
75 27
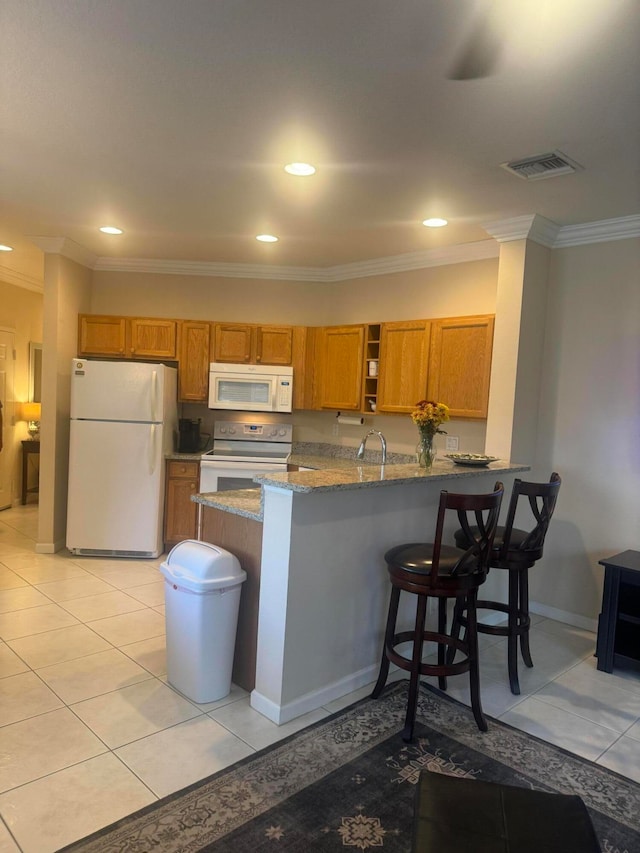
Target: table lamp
30 412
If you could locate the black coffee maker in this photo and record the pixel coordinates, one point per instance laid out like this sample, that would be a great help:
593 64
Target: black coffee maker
188 435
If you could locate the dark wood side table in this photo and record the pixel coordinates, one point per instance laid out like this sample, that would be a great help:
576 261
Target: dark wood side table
619 622
28 447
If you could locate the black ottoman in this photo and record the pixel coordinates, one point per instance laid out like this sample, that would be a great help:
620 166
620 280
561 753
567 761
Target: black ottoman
455 815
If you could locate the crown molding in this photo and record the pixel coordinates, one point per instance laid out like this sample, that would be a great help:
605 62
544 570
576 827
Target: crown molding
19 279
65 247
598 232
532 227
379 266
554 236
459 254
211 269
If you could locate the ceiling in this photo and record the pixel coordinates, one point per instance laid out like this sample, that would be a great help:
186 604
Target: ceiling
173 119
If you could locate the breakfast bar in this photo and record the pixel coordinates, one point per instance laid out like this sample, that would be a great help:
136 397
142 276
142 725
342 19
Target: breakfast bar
323 588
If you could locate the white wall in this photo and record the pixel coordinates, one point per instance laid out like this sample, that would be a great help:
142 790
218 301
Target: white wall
589 419
66 294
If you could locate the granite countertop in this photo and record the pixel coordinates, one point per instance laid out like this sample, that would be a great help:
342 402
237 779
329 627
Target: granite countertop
176 456
335 468
245 502
358 476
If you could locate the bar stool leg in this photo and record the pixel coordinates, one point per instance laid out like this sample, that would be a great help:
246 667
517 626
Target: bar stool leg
524 616
416 661
388 642
512 638
474 661
456 624
442 649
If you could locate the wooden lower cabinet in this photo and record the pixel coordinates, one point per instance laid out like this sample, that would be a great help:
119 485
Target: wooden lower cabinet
242 537
180 512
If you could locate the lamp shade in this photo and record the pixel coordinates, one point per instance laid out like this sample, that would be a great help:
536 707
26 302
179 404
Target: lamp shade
30 411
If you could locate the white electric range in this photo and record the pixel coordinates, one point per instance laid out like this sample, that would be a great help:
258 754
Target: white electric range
242 450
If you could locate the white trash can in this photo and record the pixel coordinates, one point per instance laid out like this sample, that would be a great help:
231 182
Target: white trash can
202 596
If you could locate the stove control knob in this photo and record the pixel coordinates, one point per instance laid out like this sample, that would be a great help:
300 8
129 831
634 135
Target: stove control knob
223 430
274 432
283 432
232 430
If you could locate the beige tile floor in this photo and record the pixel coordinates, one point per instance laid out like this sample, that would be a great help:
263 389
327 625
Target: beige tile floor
90 730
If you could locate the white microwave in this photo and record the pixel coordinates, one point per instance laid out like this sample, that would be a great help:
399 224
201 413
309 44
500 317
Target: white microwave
250 387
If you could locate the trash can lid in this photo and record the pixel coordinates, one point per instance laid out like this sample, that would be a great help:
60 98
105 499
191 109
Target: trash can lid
201 566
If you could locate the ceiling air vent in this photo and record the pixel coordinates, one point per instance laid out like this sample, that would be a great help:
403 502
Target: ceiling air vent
542 166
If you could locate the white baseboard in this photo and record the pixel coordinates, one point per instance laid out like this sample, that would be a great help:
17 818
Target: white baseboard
280 714
564 616
49 547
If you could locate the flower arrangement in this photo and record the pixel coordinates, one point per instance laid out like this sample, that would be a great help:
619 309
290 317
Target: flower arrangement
428 417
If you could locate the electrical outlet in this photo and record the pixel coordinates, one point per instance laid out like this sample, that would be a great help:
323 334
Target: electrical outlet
335 429
451 442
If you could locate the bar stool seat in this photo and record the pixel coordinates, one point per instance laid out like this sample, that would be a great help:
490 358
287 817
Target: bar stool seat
437 570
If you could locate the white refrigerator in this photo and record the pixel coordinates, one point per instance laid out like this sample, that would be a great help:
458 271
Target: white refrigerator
123 422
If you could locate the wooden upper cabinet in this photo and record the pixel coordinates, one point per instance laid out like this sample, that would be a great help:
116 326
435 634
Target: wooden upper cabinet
126 337
460 364
242 343
404 365
193 360
273 344
102 335
232 343
341 351
152 338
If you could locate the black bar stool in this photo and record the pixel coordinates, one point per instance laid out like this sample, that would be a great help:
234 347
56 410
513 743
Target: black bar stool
436 570
515 550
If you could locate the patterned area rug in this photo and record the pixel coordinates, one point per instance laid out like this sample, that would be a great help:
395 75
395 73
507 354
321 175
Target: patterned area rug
349 782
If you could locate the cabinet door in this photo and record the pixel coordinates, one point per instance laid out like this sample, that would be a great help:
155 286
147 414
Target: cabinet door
232 343
180 515
102 335
152 338
193 361
273 344
341 357
460 364
404 364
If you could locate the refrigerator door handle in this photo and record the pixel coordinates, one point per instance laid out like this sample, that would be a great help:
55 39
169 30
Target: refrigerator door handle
152 449
154 395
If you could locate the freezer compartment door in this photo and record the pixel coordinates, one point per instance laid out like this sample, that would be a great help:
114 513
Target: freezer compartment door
121 390
116 489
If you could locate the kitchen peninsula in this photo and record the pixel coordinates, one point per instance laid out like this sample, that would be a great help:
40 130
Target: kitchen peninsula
323 586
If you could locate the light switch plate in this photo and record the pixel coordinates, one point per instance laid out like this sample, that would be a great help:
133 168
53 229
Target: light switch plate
451 442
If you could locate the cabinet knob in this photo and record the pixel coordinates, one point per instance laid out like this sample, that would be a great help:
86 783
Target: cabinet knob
193 485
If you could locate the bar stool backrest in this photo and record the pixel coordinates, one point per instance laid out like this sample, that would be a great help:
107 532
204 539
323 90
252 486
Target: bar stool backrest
528 545
478 517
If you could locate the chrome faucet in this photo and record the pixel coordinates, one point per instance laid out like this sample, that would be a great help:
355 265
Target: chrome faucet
363 444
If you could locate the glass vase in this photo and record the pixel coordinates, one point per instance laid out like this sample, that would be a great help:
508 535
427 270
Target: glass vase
425 451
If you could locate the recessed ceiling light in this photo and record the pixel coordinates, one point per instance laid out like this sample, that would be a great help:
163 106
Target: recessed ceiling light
109 229
4 248
435 222
267 238
300 169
